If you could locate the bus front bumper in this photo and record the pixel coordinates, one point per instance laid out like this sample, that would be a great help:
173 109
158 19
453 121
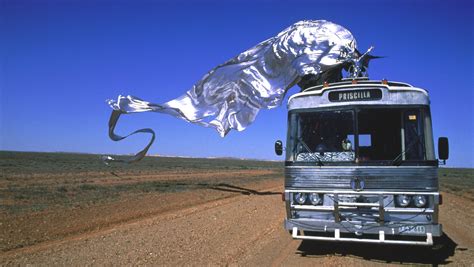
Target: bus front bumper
344 231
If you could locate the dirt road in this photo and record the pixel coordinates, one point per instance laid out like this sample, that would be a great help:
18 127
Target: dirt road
242 227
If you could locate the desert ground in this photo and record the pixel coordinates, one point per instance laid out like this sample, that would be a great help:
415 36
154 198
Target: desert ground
71 209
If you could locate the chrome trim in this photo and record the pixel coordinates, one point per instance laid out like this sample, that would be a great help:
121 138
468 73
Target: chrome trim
390 96
375 178
375 207
360 192
355 204
381 240
409 210
360 167
308 91
310 207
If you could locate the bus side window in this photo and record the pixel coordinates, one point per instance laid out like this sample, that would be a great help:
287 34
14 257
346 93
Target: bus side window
413 135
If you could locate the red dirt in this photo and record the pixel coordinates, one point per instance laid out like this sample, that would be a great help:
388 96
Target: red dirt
218 226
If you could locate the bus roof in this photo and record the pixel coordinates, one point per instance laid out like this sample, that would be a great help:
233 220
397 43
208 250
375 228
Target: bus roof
362 80
359 92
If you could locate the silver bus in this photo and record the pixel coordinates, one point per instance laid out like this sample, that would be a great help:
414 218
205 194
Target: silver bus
360 164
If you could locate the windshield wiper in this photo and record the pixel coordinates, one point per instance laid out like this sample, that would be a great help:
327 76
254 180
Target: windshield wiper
398 160
320 163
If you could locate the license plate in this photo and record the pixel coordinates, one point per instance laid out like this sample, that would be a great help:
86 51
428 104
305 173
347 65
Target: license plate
347 198
416 229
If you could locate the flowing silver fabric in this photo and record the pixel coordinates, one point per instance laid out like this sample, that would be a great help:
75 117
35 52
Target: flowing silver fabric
230 95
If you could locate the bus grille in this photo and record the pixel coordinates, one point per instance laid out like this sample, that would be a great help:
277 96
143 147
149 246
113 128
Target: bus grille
382 178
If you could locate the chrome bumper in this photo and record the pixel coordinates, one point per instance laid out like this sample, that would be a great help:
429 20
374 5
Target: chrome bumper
382 229
380 240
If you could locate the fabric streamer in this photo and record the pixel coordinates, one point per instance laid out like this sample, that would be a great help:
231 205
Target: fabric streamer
231 95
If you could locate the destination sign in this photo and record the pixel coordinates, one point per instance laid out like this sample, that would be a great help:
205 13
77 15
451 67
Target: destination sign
355 95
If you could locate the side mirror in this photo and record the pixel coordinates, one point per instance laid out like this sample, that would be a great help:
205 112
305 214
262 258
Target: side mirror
443 148
278 147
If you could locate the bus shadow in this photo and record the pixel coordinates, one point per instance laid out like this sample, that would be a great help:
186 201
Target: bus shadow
444 248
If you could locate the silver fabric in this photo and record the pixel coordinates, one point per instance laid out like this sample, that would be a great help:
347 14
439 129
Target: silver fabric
230 95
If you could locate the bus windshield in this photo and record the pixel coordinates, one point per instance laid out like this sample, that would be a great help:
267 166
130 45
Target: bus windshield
360 134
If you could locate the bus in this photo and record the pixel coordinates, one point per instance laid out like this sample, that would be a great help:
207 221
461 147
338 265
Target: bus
360 164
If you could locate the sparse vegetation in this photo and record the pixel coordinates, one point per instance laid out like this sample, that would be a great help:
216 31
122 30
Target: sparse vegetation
457 181
37 181
48 196
33 162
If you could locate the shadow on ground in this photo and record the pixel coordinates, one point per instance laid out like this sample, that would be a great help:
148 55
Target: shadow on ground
444 248
237 189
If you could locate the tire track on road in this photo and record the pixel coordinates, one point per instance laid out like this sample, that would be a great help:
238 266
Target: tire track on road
162 216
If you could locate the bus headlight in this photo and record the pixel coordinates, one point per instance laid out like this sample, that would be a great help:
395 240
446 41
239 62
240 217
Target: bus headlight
420 201
300 198
403 200
314 198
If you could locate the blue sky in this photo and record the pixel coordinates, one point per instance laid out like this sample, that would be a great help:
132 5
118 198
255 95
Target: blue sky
60 61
